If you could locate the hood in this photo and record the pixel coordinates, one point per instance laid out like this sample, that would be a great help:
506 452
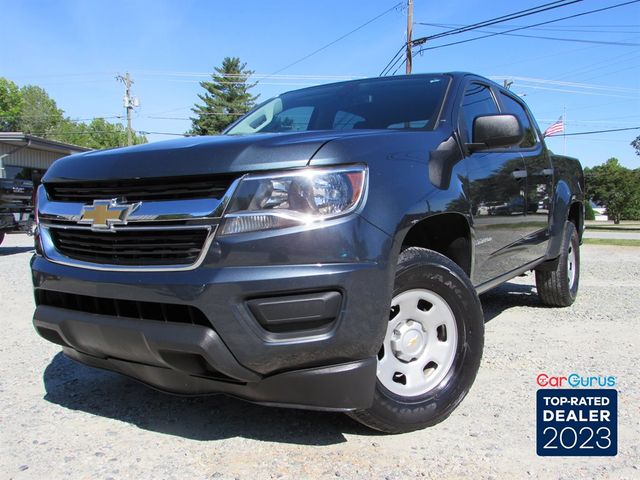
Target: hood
196 156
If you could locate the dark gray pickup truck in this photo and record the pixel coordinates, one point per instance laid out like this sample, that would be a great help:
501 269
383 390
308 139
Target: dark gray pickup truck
326 252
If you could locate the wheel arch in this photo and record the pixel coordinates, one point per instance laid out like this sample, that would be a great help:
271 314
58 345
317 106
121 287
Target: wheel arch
448 233
567 206
576 216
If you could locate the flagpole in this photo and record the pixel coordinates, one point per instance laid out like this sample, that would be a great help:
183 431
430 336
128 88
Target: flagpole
564 130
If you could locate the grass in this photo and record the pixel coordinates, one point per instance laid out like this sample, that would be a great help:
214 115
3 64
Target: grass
620 242
611 228
625 225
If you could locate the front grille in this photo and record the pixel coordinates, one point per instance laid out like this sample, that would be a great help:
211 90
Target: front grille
149 189
163 312
132 247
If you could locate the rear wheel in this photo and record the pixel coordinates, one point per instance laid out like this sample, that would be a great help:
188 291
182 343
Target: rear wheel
432 349
559 287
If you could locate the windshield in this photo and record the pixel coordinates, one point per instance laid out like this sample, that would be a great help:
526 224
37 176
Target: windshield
409 103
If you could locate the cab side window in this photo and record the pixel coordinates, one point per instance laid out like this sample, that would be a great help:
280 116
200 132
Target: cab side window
514 107
477 101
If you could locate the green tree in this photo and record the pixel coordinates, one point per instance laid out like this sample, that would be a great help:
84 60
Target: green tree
97 134
10 106
636 144
27 109
226 97
39 113
617 188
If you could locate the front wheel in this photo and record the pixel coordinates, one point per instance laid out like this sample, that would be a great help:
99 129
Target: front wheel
432 348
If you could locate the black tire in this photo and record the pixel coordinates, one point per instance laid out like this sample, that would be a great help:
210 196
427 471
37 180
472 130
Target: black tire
555 287
1 238
419 268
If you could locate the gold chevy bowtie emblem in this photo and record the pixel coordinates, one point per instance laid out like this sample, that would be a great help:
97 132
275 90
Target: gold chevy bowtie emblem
104 214
413 341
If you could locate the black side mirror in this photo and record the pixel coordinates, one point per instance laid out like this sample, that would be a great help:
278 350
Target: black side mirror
494 131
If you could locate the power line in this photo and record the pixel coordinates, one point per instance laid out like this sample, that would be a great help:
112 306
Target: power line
613 72
560 39
596 94
166 133
529 26
333 42
153 117
600 65
389 66
299 84
235 75
552 53
47 115
58 132
593 132
563 83
492 21
588 107
145 132
504 18
560 28
398 58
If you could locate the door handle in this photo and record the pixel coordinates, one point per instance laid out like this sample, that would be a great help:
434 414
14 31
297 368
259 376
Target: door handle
519 174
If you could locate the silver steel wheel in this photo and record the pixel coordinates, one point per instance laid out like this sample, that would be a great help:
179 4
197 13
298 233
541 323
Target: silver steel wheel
571 266
420 345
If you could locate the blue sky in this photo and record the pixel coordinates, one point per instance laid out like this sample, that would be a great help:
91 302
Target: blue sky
74 48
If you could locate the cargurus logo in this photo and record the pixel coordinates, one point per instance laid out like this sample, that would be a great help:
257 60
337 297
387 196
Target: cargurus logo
575 380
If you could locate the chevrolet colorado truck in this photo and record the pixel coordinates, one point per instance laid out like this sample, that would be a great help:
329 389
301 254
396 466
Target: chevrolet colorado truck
326 252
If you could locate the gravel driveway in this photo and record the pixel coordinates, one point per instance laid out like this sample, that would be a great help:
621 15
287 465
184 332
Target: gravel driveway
59 419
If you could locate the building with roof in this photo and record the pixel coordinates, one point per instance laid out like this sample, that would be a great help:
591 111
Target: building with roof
27 157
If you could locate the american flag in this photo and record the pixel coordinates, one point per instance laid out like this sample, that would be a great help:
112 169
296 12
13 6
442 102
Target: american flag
557 127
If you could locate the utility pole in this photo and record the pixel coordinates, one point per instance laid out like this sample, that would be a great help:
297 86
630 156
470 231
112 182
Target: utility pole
507 84
409 34
129 102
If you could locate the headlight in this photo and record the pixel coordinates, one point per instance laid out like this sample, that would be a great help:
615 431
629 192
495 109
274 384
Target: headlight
278 200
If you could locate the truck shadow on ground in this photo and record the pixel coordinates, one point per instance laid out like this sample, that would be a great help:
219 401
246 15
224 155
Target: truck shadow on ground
78 387
506 296
14 250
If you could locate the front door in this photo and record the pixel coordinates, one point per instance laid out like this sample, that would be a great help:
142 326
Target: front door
497 192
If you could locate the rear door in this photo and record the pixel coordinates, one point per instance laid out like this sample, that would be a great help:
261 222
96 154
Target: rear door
539 181
496 189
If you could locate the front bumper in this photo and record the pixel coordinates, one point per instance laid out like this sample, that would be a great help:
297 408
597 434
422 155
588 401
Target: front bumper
178 358
331 366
